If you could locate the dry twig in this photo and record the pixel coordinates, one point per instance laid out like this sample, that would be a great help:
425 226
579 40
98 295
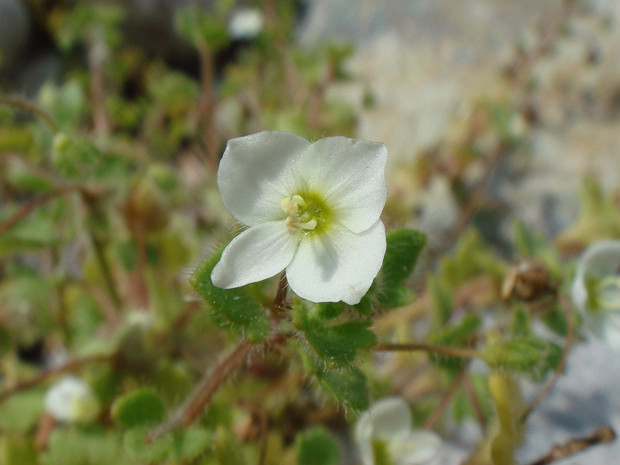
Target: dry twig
601 436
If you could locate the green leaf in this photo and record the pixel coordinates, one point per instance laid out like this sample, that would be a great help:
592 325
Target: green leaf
139 407
402 252
459 335
67 446
20 412
201 28
336 345
328 310
520 325
317 447
401 255
527 242
137 449
347 385
172 381
177 447
17 450
462 407
598 217
6 343
556 321
524 354
189 444
232 308
227 448
442 301
472 258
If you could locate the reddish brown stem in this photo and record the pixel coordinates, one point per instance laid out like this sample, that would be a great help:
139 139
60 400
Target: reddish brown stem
21 102
445 401
96 57
206 389
47 374
475 402
207 106
141 245
31 205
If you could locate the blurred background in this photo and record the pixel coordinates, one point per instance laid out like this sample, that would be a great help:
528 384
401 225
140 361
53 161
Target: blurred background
499 116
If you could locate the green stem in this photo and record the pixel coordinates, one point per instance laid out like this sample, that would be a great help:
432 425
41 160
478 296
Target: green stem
451 351
99 248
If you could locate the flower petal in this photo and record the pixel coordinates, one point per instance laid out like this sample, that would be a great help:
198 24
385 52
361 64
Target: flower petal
388 417
256 254
256 172
337 264
384 420
415 448
598 261
610 330
349 174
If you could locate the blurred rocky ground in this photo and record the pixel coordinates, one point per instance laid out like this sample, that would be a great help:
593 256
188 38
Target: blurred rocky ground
425 61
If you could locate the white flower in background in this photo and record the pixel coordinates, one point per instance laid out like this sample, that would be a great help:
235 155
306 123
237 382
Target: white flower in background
313 209
386 427
596 291
245 23
71 400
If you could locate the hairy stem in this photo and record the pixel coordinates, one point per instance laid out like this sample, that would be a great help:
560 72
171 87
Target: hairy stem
413 347
205 390
215 377
278 305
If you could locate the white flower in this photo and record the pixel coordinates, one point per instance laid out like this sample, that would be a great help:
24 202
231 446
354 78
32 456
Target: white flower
313 209
387 426
245 23
596 291
71 400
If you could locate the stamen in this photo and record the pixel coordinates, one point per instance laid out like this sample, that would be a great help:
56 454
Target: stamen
308 225
302 215
609 293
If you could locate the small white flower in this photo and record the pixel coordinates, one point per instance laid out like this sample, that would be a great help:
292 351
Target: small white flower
313 209
596 291
245 23
387 424
71 400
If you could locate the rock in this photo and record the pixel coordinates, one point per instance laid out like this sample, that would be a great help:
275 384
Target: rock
14 32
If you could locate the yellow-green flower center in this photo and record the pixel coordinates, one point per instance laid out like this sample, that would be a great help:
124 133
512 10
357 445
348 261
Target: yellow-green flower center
306 212
603 294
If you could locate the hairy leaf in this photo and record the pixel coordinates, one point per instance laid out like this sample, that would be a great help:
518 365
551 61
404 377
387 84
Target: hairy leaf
139 407
232 308
317 447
